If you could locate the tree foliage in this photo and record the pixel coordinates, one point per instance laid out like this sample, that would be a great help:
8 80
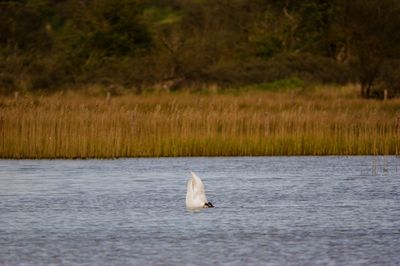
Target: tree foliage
48 44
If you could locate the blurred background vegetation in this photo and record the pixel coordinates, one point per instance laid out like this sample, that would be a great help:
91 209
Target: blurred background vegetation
139 45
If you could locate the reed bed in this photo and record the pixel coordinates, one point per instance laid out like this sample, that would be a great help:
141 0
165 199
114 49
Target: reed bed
325 121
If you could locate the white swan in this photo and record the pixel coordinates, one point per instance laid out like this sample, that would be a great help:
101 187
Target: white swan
195 195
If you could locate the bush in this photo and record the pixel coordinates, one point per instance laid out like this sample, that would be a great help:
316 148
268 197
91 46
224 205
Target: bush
390 75
308 67
7 84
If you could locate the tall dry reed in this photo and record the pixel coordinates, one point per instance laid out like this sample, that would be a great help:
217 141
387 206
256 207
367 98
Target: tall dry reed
326 121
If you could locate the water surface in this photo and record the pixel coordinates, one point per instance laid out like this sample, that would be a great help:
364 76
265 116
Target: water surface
269 210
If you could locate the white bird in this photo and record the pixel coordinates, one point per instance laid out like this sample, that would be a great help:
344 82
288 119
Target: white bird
195 195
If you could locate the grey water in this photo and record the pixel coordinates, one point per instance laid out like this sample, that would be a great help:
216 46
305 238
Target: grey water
269 211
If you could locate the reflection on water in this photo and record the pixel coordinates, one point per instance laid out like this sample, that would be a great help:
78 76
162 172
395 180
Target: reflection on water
269 210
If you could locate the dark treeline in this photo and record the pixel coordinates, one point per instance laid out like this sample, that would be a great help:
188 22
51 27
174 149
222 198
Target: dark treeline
174 44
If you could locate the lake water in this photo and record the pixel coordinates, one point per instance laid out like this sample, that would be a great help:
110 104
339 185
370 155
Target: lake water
269 211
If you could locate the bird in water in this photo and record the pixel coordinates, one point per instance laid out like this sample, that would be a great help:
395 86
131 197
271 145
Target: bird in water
195 195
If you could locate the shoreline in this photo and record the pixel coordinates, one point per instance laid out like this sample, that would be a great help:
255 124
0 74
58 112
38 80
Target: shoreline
326 121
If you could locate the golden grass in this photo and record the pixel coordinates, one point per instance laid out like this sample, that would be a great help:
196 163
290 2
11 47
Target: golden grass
325 121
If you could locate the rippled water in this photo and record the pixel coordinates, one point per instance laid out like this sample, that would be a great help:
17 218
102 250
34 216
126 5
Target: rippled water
269 210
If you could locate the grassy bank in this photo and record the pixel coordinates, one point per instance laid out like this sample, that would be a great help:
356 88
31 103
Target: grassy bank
322 121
